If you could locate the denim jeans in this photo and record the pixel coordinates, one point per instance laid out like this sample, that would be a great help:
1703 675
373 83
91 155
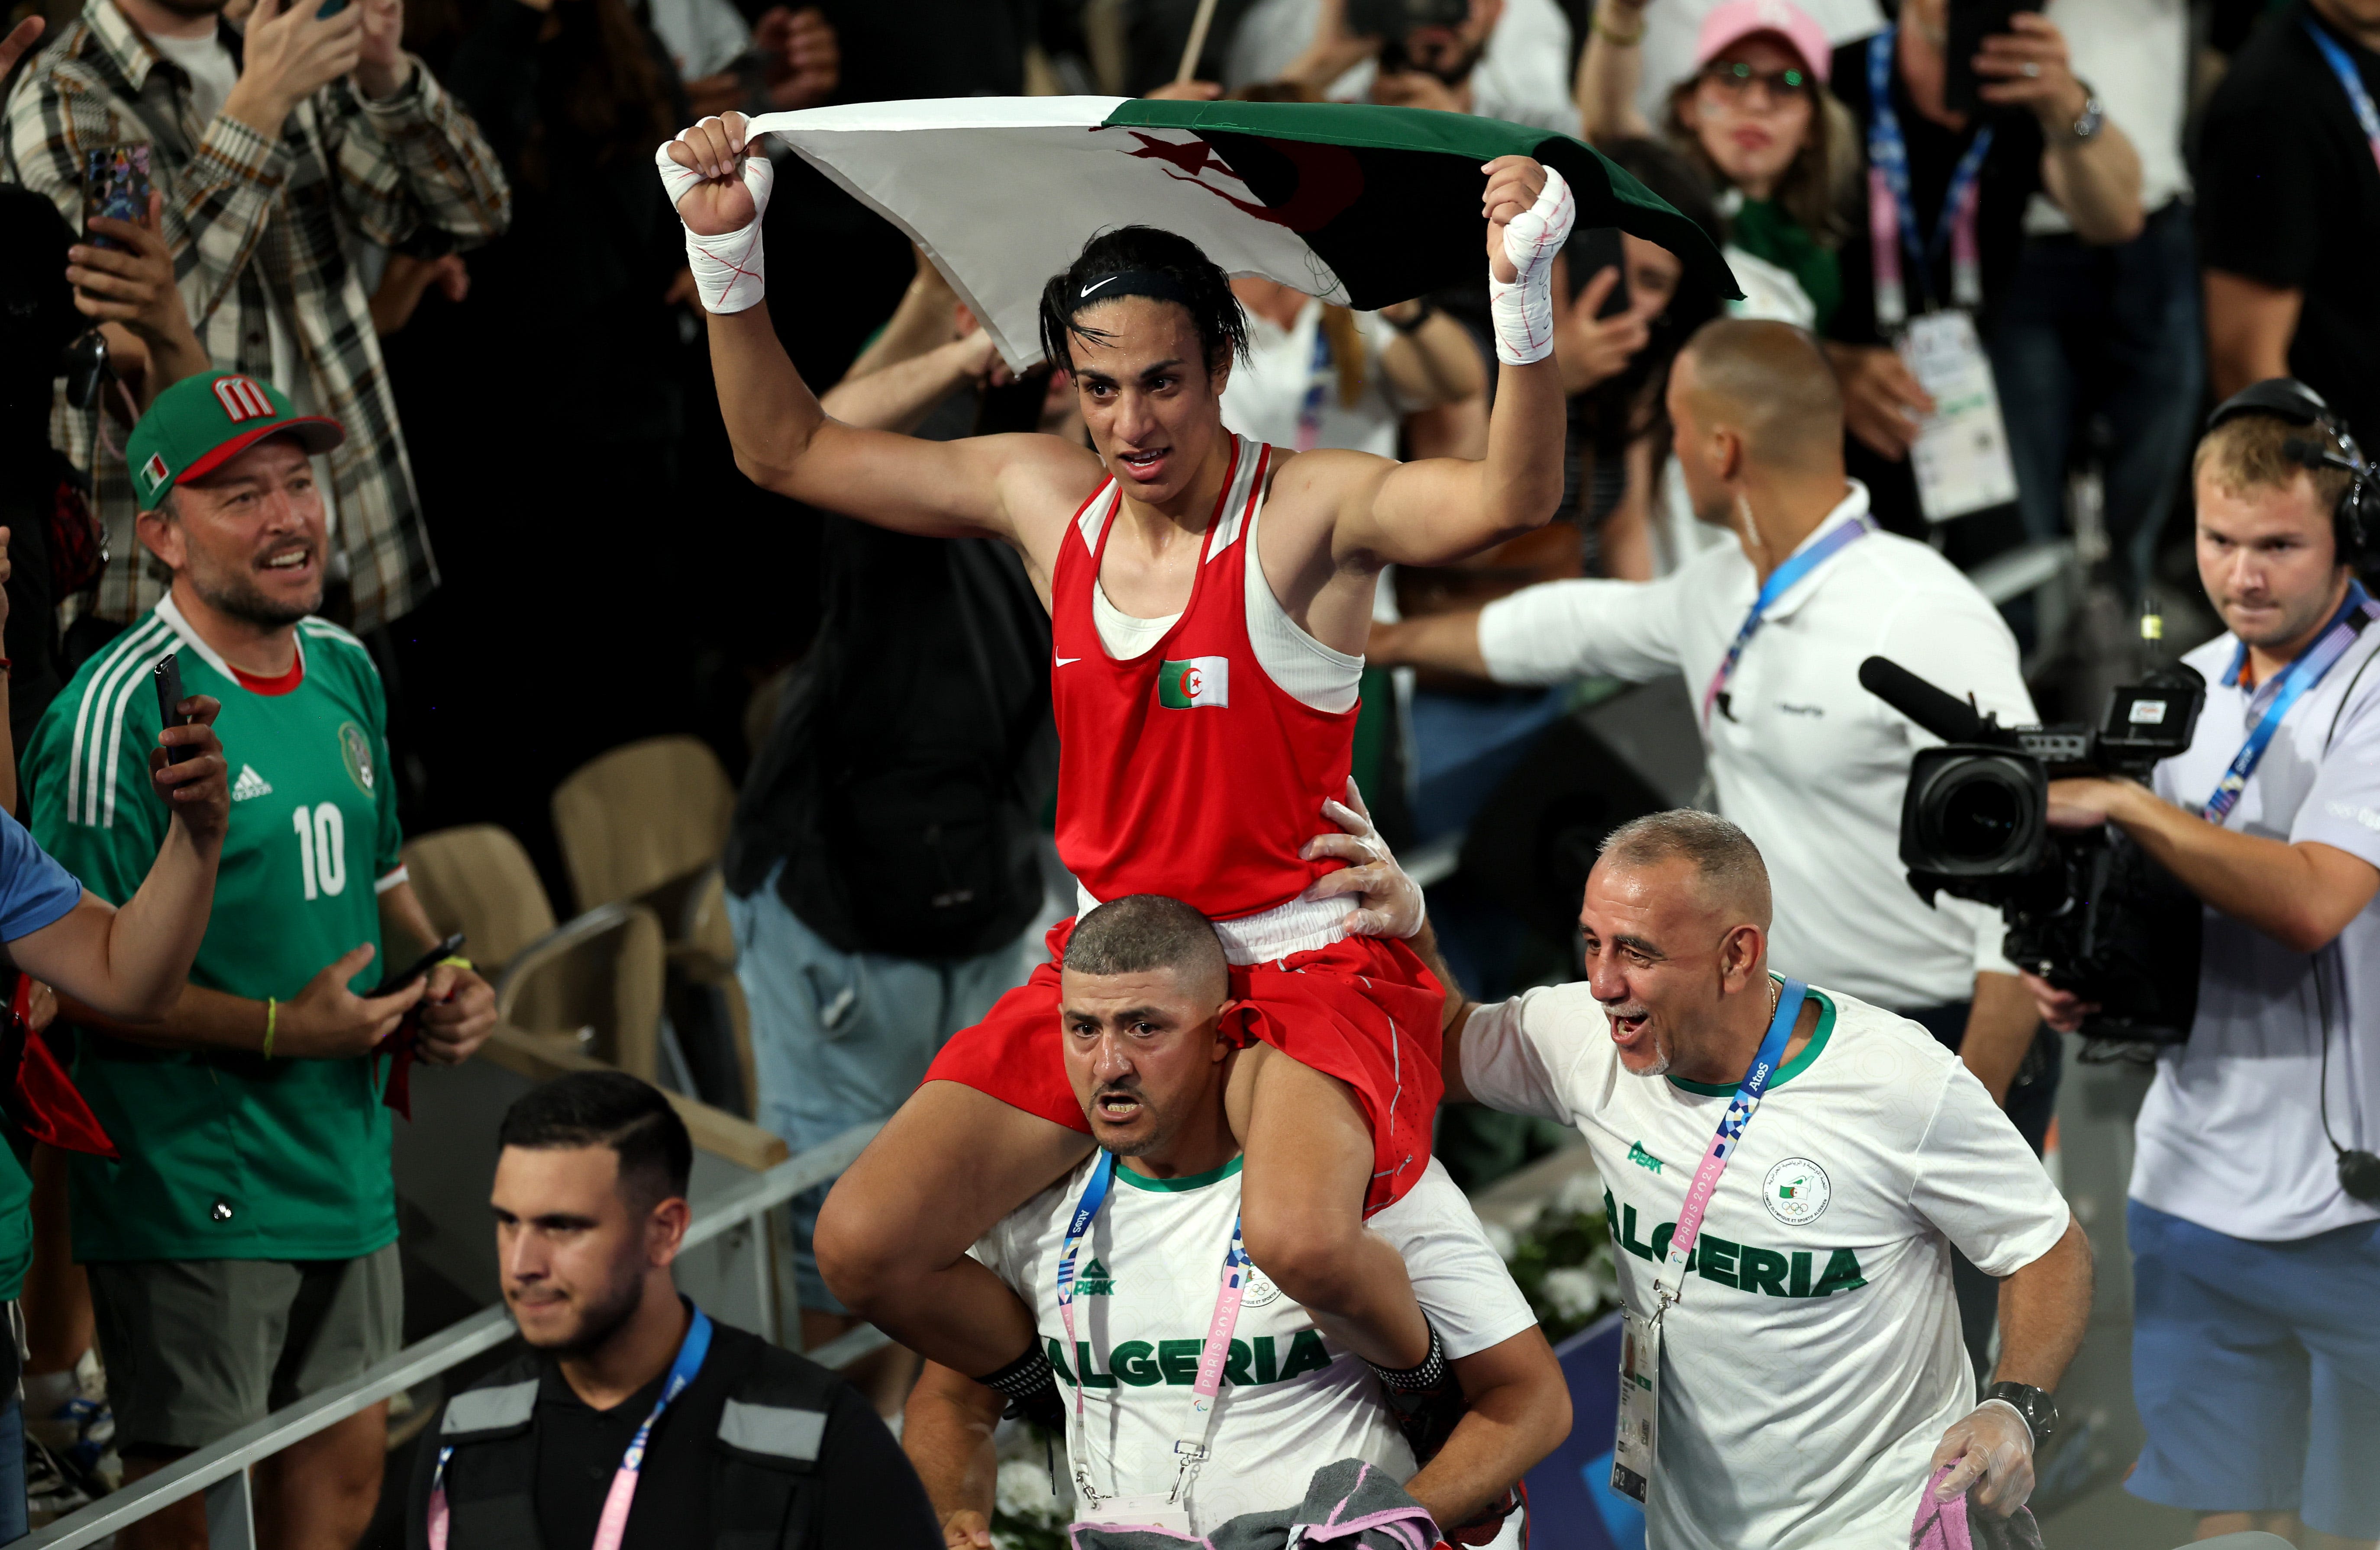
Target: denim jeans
2110 332
841 1038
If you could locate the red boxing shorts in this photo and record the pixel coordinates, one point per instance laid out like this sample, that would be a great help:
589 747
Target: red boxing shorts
1363 1010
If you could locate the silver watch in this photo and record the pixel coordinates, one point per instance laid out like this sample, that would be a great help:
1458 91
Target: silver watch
2094 117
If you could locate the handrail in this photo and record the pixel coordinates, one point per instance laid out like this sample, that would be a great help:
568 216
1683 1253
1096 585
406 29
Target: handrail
448 1349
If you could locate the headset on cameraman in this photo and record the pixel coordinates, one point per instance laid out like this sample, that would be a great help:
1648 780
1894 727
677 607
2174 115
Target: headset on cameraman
2354 521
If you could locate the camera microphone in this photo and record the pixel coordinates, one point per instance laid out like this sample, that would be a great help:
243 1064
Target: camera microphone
1947 716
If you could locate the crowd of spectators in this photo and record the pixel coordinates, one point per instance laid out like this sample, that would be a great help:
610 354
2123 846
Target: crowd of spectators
436 223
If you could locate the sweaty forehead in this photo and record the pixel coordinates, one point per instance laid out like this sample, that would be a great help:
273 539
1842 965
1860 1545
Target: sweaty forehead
1653 901
1141 332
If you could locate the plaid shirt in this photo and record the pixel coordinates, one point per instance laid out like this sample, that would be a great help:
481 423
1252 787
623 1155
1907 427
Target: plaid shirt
255 224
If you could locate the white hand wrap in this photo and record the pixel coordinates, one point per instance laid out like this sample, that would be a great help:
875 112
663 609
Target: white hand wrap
1523 308
728 273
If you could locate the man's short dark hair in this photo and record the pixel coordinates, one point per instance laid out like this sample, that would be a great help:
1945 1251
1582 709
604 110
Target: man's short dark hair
1144 931
608 1109
1206 292
1729 872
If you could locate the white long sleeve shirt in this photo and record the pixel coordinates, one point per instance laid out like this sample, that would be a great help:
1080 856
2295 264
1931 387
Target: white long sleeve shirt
1811 765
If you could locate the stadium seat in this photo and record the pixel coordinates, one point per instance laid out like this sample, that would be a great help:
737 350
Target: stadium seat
601 972
645 823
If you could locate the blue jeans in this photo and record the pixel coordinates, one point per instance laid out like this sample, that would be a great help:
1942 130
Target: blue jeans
2110 332
841 1038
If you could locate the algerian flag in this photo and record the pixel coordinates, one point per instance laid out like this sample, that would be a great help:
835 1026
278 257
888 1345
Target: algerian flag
1201 681
1361 205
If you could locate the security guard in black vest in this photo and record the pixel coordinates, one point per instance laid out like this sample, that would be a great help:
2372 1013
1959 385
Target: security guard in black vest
634 1421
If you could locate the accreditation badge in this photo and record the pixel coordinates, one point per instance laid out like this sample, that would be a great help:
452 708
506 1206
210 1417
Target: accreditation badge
1961 458
1640 1404
1151 1509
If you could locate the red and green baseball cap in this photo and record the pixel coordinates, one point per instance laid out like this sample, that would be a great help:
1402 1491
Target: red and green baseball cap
202 422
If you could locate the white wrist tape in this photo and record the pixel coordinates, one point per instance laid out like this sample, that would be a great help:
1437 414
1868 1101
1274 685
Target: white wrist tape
728 272
1523 310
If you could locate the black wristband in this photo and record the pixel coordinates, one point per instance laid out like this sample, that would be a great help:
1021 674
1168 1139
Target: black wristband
1024 1378
1428 1374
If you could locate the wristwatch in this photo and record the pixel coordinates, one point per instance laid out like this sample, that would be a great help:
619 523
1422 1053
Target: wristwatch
2040 1415
2094 117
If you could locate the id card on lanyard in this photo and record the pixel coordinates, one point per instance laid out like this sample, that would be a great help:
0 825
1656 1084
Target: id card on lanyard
2284 690
1961 460
613 1525
1636 1439
1159 1509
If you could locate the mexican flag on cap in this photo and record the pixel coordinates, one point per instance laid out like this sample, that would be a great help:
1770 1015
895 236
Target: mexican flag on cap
1361 205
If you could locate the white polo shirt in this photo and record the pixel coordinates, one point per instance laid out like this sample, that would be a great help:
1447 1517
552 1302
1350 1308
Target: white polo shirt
1811 766
2230 1133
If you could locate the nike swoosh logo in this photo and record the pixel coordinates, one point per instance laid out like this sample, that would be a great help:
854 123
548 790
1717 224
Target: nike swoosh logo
1063 661
1088 289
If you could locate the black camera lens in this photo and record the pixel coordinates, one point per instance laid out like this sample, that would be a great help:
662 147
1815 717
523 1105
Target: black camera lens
1979 817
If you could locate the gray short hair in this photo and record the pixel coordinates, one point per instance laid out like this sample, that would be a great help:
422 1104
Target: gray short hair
1729 871
1143 931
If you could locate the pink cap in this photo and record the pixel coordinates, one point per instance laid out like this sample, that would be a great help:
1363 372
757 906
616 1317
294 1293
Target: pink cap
1738 19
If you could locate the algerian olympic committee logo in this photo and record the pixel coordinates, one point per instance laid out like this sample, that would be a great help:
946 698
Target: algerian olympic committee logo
1796 1192
1260 1291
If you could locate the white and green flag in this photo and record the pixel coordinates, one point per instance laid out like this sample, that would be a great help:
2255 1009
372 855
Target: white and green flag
1355 203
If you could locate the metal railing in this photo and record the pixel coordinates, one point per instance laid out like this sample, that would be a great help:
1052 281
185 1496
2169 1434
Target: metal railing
220 1469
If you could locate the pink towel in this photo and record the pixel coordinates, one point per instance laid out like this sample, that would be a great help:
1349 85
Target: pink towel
1951 1525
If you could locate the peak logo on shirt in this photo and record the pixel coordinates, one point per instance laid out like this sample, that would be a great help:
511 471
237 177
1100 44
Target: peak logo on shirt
1098 1280
1195 684
1145 1364
249 784
1641 1159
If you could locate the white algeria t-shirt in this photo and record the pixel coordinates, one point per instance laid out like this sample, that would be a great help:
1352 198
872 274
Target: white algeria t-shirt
1291 1401
1814 1360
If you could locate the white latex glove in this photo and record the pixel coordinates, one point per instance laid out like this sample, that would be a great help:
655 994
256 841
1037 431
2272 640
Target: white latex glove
1991 1444
1388 903
721 214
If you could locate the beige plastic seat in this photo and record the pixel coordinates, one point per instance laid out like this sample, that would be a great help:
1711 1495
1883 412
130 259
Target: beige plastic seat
601 971
645 823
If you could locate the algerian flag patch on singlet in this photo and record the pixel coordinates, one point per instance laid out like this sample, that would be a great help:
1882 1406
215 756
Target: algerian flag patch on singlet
1201 682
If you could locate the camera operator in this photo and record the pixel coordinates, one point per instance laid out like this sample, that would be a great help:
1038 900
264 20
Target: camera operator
2255 1231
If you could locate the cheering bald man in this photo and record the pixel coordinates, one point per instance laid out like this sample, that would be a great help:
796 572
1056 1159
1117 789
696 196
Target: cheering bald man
1769 633
1788 1296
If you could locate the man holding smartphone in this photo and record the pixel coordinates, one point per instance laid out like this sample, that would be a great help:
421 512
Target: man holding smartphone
243 1254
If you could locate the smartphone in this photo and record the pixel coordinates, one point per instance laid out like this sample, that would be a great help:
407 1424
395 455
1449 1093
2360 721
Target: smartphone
1971 22
421 965
114 183
169 703
1591 251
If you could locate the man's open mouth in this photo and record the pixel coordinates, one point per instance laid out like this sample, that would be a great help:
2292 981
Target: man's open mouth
1117 1107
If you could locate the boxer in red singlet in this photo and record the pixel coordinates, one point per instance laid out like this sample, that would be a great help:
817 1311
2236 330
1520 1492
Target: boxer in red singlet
1185 767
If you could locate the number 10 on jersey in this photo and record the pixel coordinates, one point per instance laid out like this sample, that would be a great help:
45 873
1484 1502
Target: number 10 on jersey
322 849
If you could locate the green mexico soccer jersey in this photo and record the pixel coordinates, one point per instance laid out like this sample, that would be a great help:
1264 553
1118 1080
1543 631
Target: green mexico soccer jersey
227 1154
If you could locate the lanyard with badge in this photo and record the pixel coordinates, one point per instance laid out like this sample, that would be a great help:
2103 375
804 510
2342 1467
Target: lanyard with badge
1634 1441
2351 78
2316 659
1962 457
1162 1509
1779 582
613 1525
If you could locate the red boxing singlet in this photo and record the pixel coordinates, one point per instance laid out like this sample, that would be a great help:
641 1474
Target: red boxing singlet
1188 771
1185 770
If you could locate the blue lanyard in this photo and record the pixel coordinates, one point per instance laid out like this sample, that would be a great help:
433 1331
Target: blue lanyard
1317 387
1779 581
1757 1080
2284 691
613 1522
2358 97
1887 155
